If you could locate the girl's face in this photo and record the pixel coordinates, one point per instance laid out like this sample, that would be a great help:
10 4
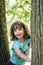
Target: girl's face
18 32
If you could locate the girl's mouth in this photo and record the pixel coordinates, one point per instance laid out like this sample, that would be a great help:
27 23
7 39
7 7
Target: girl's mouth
18 34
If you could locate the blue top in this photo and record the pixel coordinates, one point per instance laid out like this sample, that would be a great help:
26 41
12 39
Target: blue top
23 47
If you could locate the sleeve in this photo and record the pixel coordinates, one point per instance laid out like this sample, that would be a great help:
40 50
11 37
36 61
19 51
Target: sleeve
15 45
28 41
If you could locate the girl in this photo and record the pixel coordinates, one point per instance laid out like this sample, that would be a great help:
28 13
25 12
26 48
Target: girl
21 37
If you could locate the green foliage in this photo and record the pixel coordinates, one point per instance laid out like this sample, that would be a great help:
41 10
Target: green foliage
21 10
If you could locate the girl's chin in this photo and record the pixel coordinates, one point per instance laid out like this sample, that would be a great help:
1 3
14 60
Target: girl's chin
19 37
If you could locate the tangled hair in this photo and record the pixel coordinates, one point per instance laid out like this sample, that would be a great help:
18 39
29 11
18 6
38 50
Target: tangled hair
21 25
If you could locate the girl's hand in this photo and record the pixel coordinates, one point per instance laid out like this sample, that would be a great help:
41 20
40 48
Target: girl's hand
21 55
29 60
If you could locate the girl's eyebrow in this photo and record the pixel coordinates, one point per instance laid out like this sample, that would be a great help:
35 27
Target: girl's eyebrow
15 27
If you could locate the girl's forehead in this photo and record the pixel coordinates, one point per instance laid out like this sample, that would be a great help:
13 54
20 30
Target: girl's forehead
17 26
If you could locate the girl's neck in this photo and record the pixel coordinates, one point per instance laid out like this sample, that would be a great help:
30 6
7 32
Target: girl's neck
21 40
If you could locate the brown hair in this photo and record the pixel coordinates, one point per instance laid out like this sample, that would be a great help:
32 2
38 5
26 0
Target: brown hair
22 25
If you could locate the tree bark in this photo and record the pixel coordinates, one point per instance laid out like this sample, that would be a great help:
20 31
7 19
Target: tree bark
37 32
4 49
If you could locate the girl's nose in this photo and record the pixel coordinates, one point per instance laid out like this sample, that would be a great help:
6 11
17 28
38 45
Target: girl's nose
17 31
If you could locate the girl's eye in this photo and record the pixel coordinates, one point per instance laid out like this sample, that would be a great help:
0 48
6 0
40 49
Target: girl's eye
19 29
16 30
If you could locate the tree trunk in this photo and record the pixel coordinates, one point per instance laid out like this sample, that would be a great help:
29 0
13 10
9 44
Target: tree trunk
4 49
37 32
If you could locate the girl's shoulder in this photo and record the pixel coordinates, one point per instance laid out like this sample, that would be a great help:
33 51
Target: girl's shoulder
15 44
28 39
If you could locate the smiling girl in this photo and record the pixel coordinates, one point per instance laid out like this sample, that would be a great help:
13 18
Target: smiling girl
21 37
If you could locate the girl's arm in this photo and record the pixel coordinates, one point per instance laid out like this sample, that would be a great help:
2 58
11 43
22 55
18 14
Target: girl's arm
21 55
